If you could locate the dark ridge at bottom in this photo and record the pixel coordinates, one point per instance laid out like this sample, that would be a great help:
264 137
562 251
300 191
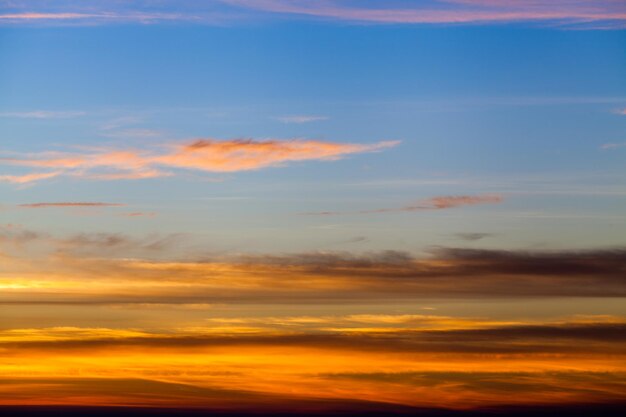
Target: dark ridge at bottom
605 410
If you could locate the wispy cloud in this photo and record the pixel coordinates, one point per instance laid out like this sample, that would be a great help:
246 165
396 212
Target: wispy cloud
70 204
42 114
29 178
434 203
205 155
128 127
608 146
301 119
590 14
579 12
132 133
101 18
139 214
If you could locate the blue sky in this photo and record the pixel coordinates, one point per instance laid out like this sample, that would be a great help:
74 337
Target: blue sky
523 109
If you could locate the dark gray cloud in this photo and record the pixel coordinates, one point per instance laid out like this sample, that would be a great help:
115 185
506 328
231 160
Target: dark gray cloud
472 237
573 338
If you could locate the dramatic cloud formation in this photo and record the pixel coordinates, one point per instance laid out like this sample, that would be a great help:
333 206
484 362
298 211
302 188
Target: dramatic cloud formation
129 325
556 363
434 203
589 13
123 269
206 155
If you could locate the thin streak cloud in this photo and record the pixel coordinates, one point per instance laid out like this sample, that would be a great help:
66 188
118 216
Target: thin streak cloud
299 119
29 178
434 203
42 114
570 12
609 146
599 14
70 204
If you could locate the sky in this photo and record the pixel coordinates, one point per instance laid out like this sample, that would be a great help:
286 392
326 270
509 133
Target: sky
334 204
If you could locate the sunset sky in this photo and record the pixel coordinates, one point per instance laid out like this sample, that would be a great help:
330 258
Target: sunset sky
312 205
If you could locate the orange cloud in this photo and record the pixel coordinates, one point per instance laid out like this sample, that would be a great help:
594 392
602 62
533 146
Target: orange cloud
445 202
237 369
248 154
29 178
208 155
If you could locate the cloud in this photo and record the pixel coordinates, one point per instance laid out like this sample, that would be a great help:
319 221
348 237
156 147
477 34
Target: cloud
621 111
609 146
434 203
590 14
139 214
301 119
41 114
123 269
81 249
446 202
103 17
572 12
205 155
16 235
132 133
70 204
473 237
29 178
522 341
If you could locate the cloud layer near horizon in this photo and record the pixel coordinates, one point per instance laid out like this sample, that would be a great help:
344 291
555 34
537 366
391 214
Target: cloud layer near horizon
398 359
205 155
105 268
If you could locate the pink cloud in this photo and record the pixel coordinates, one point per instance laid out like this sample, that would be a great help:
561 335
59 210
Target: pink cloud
46 16
448 11
434 203
138 214
591 14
